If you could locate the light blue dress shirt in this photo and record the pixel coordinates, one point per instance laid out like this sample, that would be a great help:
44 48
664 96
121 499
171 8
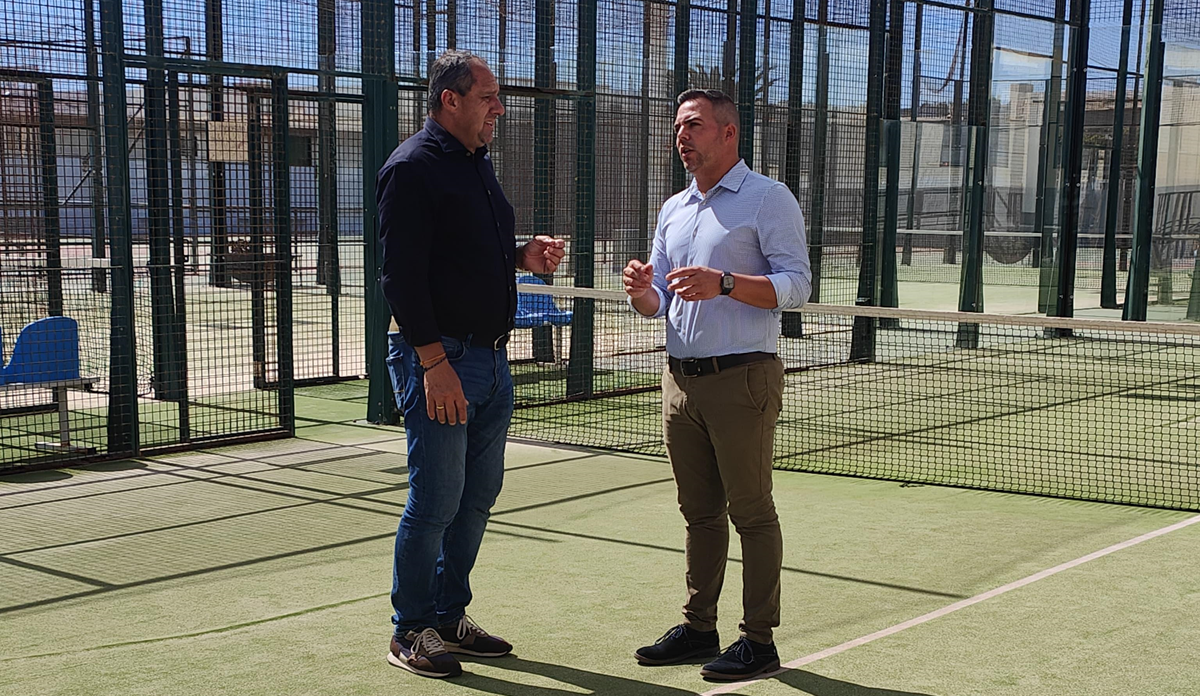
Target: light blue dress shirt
748 224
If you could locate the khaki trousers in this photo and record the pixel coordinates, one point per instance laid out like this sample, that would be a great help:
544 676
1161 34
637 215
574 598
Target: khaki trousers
719 431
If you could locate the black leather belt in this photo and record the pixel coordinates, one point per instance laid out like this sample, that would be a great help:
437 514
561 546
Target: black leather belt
493 343
698 367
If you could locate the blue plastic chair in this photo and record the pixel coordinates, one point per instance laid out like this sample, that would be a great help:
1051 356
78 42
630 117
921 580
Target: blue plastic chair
538 310
534 310
47 350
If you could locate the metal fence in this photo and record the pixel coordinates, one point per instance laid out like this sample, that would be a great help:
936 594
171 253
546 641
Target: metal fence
190 180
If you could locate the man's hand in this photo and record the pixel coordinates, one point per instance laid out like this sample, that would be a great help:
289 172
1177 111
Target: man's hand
693 283
638 278
542 254
444 399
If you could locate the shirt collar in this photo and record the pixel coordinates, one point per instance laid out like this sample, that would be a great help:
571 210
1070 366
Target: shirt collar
448 142
732 180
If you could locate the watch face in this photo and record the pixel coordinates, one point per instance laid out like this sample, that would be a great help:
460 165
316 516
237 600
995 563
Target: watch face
727 282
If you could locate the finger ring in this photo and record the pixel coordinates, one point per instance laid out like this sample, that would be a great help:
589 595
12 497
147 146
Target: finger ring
441 408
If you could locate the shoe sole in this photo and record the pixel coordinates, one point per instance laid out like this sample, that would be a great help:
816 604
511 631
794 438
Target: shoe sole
721 676
703 652
474 653
403 664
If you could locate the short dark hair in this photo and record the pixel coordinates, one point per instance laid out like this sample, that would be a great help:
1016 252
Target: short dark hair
451 70
724 107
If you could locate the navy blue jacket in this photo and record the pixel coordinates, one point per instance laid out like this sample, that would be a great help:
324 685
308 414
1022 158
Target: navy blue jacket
449 240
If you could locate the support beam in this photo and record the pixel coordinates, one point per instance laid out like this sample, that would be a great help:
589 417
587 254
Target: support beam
581 369
165 374
51 220
910 212
1068 236
1048 165
1108 273
862 342
282 239
544 151
1138 290
179 256
252 260
122 370
820 160
889 291
218 270
747 79
683 35
329 266
95 164
970 298
793 322
380 136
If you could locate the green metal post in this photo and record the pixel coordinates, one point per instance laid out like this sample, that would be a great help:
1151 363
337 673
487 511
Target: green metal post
122 372
580 373
162 301
862 342
910 212
683 35
820 160
329 269
729 62
282 214
1068 236
451 24
544 156
793 322
1138 290
889 291
214 33
179 262
95 146
747 80
970 298
50 205
380 136
1108 273
254 260
1051 160
642 243
1193 309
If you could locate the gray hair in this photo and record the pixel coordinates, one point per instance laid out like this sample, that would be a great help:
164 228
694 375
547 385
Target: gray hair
452 70
723 107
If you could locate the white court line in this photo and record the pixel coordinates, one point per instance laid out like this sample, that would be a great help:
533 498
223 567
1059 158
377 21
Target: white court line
829 652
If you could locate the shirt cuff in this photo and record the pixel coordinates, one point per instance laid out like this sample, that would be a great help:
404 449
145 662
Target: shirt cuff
791 290
663 305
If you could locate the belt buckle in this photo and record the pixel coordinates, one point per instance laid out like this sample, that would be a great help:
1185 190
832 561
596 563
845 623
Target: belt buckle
500 342
690 367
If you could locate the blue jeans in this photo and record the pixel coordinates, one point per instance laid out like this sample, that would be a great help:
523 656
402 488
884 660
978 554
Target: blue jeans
454 475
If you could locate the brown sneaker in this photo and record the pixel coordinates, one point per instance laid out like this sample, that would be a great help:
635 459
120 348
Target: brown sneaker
423 653
467 638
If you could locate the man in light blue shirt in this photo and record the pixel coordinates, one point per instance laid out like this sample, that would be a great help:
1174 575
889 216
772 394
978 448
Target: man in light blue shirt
729 255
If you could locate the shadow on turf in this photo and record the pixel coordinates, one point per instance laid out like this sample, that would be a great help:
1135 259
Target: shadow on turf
604 684
817 685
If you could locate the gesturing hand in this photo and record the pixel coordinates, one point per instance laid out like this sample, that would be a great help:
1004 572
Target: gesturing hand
542 254
638 278
693 283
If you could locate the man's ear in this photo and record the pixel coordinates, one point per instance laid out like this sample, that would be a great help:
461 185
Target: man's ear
449 99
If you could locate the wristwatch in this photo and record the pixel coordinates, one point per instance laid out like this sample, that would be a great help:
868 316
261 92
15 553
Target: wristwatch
726 283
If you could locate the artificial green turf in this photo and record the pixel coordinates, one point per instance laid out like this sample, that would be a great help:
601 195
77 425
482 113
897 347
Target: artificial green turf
263 569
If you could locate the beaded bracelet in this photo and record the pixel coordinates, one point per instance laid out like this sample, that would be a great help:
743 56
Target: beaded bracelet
433 361
436 361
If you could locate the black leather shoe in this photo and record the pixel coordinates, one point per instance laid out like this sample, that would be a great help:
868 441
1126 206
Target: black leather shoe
742 660
679 644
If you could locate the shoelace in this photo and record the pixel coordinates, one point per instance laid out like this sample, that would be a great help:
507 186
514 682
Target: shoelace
741 650
677 632
468 627
428 643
